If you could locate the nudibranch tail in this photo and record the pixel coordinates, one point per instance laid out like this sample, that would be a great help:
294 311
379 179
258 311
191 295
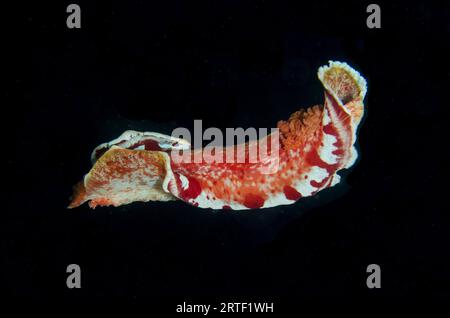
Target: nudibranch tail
314 144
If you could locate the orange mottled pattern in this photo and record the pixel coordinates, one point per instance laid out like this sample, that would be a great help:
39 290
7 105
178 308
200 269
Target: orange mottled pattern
118 164
117 175
342 83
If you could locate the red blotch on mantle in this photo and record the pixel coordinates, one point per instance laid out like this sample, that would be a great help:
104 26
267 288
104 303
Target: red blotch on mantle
291 193
253 201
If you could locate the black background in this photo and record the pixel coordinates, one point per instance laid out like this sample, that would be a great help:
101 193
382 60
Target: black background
156 66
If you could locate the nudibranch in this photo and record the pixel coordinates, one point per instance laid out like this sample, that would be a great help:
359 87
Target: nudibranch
314 145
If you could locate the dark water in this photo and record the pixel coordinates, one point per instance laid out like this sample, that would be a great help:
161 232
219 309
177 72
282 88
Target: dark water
154 67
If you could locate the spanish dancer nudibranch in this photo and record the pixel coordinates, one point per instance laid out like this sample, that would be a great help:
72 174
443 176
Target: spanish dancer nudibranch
314 144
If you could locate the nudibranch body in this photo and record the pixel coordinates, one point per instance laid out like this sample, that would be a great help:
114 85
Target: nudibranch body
314 144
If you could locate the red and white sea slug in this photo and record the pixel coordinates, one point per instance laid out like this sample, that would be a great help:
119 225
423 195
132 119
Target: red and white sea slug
314 144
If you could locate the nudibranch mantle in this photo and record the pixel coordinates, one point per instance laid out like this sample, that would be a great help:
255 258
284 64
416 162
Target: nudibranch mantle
314 144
